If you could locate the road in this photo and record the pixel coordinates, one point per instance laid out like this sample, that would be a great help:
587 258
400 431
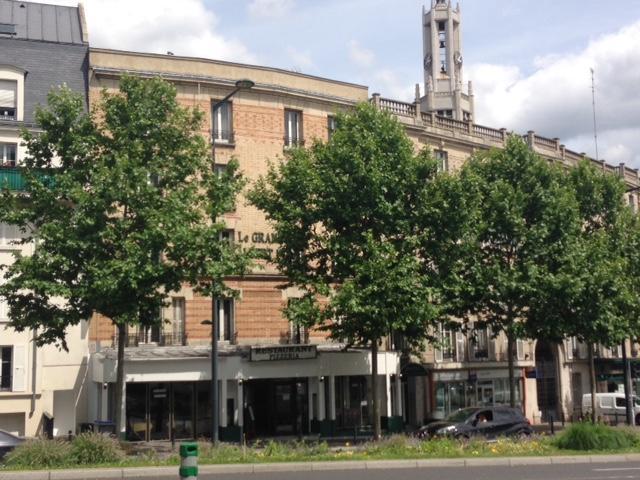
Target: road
584 471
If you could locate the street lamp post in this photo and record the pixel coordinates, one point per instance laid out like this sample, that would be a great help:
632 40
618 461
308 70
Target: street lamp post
243 84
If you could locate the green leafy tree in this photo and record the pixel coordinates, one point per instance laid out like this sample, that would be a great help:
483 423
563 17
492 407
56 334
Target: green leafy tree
346 219
118 204
594 298
521 215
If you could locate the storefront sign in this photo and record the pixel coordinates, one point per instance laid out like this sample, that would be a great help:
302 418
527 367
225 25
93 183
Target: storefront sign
283 352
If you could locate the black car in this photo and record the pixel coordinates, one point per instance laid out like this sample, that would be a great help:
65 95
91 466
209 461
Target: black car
8 441
488 422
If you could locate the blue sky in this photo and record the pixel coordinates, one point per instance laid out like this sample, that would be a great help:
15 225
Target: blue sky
529 59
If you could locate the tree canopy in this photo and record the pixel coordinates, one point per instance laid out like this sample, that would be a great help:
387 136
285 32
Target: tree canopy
346 219
119 204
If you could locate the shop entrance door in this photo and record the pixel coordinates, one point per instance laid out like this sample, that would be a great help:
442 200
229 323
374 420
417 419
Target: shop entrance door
485 393
277 407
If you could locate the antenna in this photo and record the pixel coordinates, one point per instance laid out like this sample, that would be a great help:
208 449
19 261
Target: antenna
593 98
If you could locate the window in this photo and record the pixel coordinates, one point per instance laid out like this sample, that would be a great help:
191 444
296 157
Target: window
479 341
219 169
448 344
466 116
225 318
222 123
298 334
442 40
8 154
442 158
8 100
331 126
228 235
445 113
6 354
177 305
293 128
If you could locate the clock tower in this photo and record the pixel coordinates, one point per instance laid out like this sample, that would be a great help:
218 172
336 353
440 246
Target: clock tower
442 62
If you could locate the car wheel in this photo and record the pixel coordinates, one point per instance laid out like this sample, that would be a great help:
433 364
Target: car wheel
638 420
522 434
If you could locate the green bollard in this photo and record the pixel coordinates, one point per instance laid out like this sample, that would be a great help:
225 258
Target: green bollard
189 461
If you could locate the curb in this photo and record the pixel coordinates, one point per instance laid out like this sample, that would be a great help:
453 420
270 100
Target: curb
151 472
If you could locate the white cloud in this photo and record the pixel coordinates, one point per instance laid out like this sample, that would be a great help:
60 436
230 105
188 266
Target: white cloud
302 61
390 86
555 100
270 8
184 28
360 55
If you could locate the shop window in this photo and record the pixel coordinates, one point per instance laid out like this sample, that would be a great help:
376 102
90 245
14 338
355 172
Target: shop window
8 99
8 154
293 135
222 122
442 159
225 318
6 368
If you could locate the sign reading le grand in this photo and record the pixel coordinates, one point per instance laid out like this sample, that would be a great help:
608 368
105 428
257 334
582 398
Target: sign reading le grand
283 352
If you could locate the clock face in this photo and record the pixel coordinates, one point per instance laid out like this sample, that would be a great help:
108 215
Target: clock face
427 61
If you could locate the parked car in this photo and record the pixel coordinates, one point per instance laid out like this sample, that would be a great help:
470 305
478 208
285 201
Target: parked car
8 441
611 406
488 422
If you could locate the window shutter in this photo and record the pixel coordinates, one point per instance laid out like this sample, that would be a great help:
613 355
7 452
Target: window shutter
4 311
491 345
438 351
8 90
568 345
19 370
472 344
459 347
519 349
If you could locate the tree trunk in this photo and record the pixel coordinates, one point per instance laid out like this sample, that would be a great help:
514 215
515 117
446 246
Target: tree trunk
122 341
375 404
592 384
512 375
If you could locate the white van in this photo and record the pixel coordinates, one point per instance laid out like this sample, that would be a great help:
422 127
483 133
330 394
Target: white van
611 406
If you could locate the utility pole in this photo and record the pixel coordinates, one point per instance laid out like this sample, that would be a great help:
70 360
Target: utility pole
627 384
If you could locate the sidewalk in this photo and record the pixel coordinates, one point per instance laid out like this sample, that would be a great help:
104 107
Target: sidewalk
151 472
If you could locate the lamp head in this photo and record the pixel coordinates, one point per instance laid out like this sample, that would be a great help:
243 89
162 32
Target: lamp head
245 84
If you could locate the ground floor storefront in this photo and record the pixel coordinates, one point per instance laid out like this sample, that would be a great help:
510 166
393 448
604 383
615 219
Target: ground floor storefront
263 392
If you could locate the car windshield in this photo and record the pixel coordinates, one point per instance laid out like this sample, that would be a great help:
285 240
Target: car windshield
460 415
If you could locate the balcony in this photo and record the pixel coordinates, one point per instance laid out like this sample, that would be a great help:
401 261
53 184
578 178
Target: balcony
152 337
12 178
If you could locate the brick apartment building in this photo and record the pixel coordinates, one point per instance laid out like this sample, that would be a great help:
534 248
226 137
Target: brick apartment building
276 379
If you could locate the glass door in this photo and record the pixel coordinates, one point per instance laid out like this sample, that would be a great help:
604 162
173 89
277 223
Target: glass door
485 393
159 411
183 410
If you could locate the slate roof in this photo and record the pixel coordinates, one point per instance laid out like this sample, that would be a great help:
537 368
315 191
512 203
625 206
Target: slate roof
41 22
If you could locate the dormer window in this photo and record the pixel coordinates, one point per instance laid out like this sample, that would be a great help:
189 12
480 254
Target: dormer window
8 100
